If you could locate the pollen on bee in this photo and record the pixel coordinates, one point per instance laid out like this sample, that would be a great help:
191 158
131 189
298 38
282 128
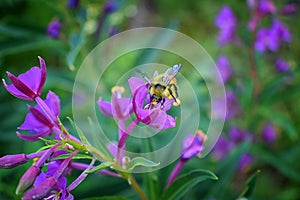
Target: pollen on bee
176 103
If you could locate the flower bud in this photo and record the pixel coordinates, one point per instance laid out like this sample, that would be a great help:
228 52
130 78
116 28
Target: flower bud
27 179
11 161
40 191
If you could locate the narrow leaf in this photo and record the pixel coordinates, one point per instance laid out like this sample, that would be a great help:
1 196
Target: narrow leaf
79 132
140 161
250 184
185 182
99 167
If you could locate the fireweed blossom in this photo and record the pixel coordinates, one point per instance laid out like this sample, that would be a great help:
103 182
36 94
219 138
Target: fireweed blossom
37 123
73 4
120 107
29 85
259 9
233 107
225 68
192 145
46 178
222 148
52 184
269 133
30 175
53 28
227 23
271 38
245 162
156 118
282 65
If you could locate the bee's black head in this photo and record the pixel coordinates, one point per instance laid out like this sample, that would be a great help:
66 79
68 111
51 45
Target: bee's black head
155 98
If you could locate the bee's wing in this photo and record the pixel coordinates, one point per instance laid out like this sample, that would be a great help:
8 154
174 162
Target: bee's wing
171 73
155 74
145 76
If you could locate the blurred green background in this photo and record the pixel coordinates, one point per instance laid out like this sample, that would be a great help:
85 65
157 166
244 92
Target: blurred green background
23 37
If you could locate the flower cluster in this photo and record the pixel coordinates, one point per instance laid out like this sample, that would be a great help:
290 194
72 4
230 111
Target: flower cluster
265 40
43 121
47 176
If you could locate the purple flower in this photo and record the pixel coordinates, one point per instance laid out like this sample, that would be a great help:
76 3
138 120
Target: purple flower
266 39
30 175
109 6
52 183
270 39
288 9
28 85
281 30
282 65
269 133
226 22
73 4
245 162
224 67
37 122
233 105
11 161
193 145
156 118
53 28
222 148
237 135
259 10
265 7
119 108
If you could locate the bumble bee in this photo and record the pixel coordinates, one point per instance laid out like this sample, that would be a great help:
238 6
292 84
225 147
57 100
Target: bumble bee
163 86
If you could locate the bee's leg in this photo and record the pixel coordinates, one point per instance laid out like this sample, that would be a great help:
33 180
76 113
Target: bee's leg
162 103
171 92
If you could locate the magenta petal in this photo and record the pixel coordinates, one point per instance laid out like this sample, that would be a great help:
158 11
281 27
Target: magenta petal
43 74
105 107
31 78
34 137
21 86
122 107
15 92
135 83
41 191
155 118
53 102
30 123
191 146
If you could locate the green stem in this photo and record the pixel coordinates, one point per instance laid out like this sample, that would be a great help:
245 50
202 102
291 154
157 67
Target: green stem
132 182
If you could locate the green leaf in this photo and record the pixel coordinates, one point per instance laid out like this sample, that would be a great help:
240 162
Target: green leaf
140 161
99 167
107 198
79 132
76 157
250 184
279 120
185 182
77 40
15 46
